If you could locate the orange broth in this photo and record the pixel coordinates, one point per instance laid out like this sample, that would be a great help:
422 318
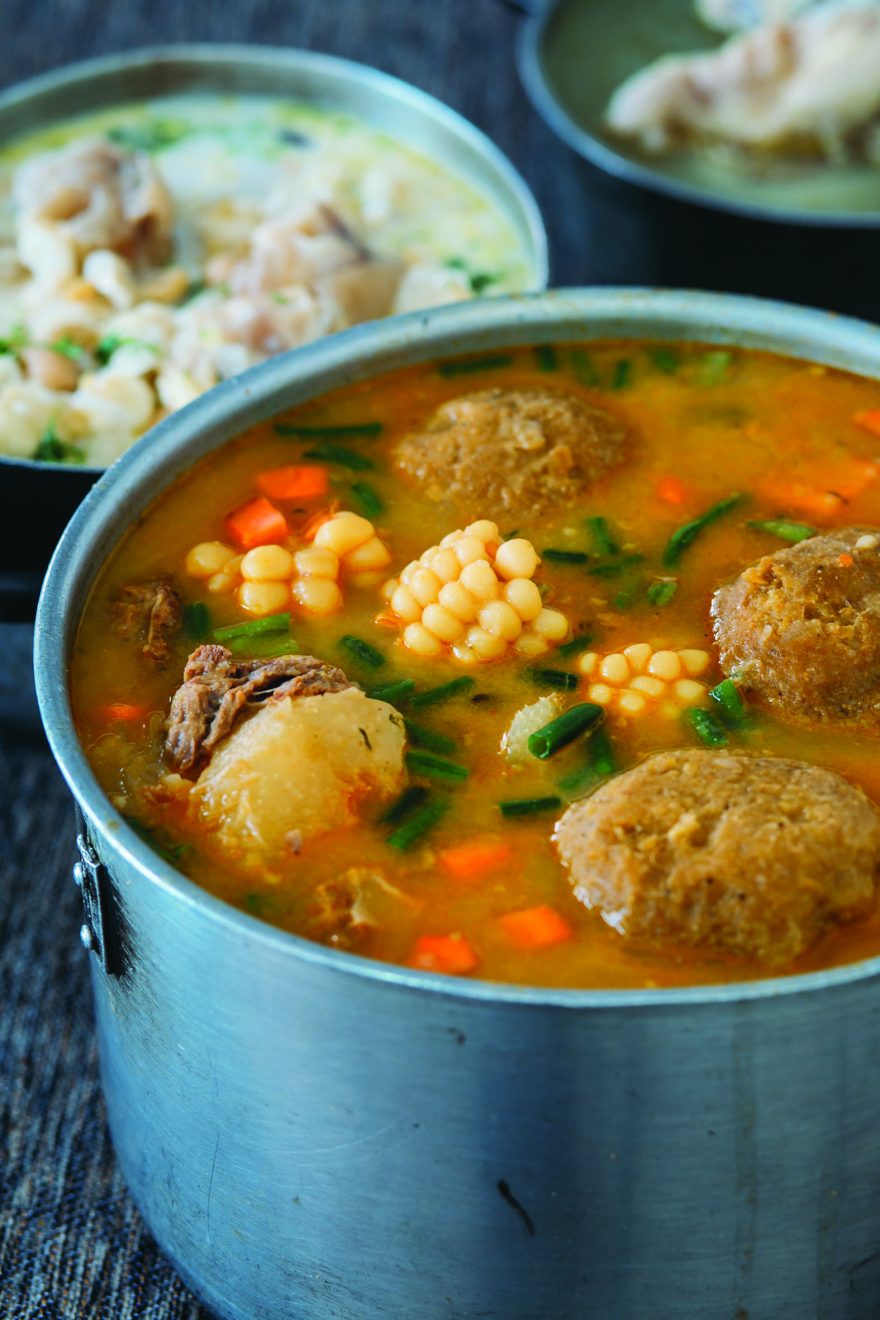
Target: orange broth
717 423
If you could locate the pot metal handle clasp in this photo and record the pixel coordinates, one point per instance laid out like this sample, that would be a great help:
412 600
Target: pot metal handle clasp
99 932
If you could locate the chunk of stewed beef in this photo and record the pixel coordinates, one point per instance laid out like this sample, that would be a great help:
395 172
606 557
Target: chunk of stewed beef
151 611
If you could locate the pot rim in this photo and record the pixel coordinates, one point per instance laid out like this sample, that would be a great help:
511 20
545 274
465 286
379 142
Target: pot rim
176 444
84 75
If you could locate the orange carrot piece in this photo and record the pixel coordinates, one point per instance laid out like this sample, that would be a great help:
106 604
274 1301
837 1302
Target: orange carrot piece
828 493
293 483
870 420
471 860
121 710
443 953
845 561
535 928
256 523
672 490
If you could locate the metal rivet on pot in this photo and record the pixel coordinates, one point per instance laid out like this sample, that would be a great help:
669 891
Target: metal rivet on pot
78 874
86 938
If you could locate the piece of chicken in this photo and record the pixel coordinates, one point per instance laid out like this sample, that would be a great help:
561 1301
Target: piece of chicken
805 87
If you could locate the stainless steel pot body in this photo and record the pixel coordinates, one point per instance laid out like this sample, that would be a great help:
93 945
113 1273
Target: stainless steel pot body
310 1134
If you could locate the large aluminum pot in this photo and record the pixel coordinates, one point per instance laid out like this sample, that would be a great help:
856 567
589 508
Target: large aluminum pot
312 1134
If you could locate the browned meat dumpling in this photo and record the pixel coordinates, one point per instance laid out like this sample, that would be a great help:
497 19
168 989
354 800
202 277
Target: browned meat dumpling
753 855
519 452
801 629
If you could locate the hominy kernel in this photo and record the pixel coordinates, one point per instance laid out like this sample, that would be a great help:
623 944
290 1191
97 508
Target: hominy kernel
485 645
450 538
207 558
516 558
601 693
411 569
551 624
405 605
317 595
501 620
316 561
469 549
365 581
267 563
651 687
425 586
484 529
442 623
426 557
446 565
464 654
343 532
529 644
226 579
689 691
588 662
455 597
615 669
369 557
638 656
417 638
525 598
695 662
632 703
389 588
262 598
480 580
665 665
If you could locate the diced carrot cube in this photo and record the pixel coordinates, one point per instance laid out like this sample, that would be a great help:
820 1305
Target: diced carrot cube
452 954
121 710
535 928
845 561
471 860
672 490
293 483
256 523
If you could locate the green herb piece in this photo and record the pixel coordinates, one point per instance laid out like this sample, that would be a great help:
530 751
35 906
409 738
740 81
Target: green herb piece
362 651
546 357
370 501
785 530
467 366
51 449
661 593
349 430
553 678
615 567
15 340
601 763
427 738
272 623
622 374
197 621
263 648
664 359
554 556
731 706
405 805
602 539
394 691
341 456
529 806
433 696
418 825
583 367
714 367
479 280
683 537
575 646
435 767
106 347
564 729
150 135
626 597
707 728
68 348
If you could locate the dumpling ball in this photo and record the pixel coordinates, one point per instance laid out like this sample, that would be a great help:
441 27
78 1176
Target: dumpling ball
801 630
756 856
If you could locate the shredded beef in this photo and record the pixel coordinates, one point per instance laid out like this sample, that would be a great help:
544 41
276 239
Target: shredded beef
152 611
217 689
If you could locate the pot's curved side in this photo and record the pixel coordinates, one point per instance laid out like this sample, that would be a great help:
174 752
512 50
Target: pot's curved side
305 1144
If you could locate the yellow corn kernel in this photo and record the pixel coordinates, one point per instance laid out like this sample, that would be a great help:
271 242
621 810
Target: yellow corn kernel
405 605
442 623
530 644
367 558
468 550
665 665
417 638
343 532
207 558
525 598
445 565
615 669
317 595
588 663
456 598
264 597
516 558
689 691
425 586
484 529
267 563
638 656
480 580
695 662
501 620
631 703
550 624
601 693
651 687
485 645
316 561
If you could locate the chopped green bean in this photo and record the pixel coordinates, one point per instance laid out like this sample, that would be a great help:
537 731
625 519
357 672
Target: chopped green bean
418 825
466 366
272 623
554 556
362 651
622 374
347 430
433 696
435 767
583 367
546 357
393 692
529 806
196 621
370 501
661 593
263 648
575 646
341 456
714 366
684 536
615 567
706 727
731 706
602 539
427 738
405 805
553 678
565 728
601 764
785 530
664 359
